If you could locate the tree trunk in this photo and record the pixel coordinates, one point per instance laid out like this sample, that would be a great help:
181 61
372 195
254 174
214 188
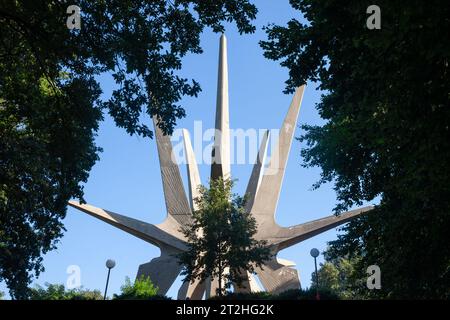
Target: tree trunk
220 279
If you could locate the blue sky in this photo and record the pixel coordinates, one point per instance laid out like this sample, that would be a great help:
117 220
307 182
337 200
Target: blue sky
127 180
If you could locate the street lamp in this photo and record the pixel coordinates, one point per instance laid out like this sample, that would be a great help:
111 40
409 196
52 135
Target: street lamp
109 264
315 253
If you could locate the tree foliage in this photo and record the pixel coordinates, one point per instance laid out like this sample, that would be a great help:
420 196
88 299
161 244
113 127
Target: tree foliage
50 103
386 106
47 148
141 289
221 238
58 292
343 276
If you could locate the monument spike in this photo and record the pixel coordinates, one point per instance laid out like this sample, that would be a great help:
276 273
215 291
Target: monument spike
268 193
290 236
175 197
193 174
257 172
143 230
220 165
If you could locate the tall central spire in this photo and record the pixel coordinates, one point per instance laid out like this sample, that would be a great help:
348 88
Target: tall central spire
221 150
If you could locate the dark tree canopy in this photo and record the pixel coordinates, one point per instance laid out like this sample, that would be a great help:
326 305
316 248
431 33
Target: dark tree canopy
386 106
221 237
50 107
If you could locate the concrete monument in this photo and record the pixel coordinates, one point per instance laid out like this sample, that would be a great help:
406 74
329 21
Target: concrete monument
263 191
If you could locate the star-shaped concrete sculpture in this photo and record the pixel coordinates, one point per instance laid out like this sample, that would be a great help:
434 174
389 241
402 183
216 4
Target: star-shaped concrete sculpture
263 191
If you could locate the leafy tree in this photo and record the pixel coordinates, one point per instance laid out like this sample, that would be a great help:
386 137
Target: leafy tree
58 292
386 106
341 276
141 289
140 43
50 107
221 237
46 149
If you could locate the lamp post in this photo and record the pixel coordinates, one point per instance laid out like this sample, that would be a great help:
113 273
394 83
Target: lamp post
315 253
109 264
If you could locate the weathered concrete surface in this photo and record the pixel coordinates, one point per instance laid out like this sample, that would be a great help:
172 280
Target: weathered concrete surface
277 277
162 270
176 202
287 237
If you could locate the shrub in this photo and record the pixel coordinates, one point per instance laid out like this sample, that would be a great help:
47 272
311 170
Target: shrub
59 292
142 289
